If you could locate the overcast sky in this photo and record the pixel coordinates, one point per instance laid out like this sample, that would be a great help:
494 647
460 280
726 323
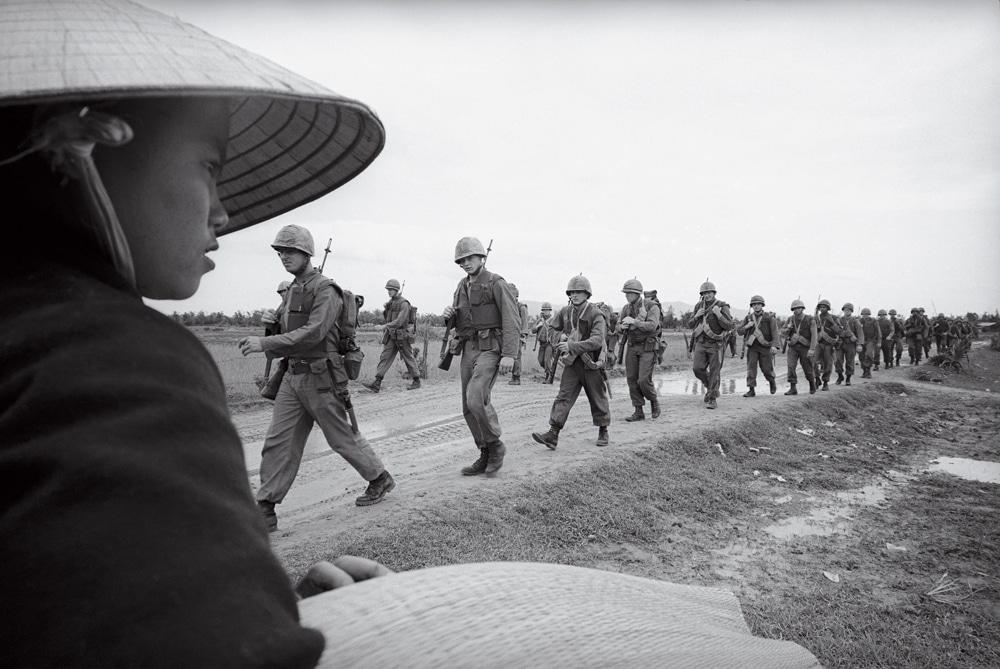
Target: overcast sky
786 148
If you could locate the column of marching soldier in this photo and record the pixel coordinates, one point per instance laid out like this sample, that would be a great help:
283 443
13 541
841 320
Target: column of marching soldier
487 327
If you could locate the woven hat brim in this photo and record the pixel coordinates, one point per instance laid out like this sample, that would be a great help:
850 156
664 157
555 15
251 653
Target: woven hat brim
291 140
520 614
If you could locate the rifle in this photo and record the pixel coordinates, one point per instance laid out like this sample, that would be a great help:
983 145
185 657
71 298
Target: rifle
550 373
270 390
687 345
446 348
325 254
621 346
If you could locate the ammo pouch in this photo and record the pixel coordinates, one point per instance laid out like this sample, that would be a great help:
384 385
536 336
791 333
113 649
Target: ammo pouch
351 362
485 341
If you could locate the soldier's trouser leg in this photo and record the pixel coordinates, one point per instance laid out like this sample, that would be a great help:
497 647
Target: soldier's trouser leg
898 345
914 348
940 343
824 363
547 358
479 373
330 413
766 362
593 385
792 356
639 365
516 371
886 352
389 351
410 360
870 355
849 351
542 357
570 385
707 366
756 358
283 445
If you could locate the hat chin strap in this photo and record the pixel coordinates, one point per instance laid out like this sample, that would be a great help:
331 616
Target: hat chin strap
69 140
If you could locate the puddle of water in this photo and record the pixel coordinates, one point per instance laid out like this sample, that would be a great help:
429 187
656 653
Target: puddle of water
828 519
970 470
683 383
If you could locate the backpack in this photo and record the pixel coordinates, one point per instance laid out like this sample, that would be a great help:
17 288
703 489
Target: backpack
347 323
411 320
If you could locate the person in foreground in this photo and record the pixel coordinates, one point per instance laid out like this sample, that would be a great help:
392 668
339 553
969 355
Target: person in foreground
129 535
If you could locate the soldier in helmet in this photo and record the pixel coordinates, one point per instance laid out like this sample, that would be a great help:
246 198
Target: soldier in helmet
915 330
639 323
522 310
661 344
582 351
800 341
871 338
940 328
898 334
852 341
314 390
395 338
762 339
886 331
543 339
270 317
489 333
829 330
712 323
926 340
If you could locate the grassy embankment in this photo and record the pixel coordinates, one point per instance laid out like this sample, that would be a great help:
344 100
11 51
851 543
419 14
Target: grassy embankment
682 511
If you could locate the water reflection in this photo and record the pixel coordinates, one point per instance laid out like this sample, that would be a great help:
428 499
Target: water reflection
970 470
682 383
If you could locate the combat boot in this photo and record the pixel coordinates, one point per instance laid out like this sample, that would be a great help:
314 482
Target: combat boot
270 517
774 386
791 390
495 459
750 393
812 386
377 490
826 385
514 381
375 385
414 384
550 438
840 378
654 408
602 436
848 381
636 415
876 369
479 466
711 403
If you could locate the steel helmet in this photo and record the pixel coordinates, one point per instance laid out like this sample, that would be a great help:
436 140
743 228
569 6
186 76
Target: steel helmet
513 289
632 286
866 312
797 304
294 237
847 305
921 310
756 299
706 287
940 315
579 282
650 294
546 306
881 312
915 310
469 246
283 286
392 283
823 303
892 312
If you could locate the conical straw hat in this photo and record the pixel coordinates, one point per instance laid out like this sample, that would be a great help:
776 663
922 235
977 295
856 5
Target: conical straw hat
291 140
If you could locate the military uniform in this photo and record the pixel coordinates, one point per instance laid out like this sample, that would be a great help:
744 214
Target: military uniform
543 338
643 341
852 340
762 338
872 342
887 331
314 389
941 327
711 323
396 339
488 329
898 331
801 340
927 333
829 332
915 329
586 328
522 310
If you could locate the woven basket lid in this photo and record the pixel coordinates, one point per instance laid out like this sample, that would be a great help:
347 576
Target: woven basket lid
524 614
291 140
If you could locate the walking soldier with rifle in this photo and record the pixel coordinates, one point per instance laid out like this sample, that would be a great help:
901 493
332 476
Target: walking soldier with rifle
898 330
760 342
915 329
829 331
800 344
639 326
395 338
711 323
872 338
852 341
543 340
886 330
269 317
314 389
488 332
522 310
582 351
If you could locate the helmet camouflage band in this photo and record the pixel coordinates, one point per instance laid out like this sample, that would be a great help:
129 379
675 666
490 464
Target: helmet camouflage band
632 286
294 237
393 284
469 246
798 304
757 299
546 306
579 282
706 287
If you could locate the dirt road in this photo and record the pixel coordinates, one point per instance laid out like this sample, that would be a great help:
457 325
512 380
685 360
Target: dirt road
424 441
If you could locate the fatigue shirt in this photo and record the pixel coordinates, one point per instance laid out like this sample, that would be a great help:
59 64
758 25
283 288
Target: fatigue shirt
851 331
802 331
319 335
644 327
709 326
542 329
397 312
915 325
897 327
886 328
828 328
589 321
870 330
761 331
488 293
941 326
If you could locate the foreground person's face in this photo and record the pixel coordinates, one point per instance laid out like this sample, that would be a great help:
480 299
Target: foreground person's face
163 187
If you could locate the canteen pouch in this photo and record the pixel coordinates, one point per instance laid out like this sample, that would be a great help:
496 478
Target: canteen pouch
351 362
